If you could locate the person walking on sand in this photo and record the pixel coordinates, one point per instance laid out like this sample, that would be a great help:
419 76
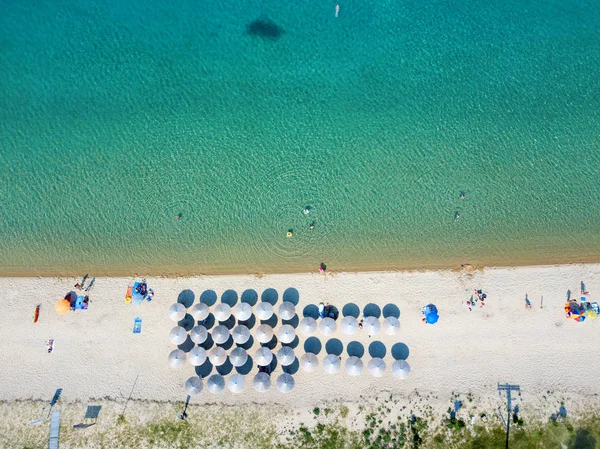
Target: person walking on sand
527 303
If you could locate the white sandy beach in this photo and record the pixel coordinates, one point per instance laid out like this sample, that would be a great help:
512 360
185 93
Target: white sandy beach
97 355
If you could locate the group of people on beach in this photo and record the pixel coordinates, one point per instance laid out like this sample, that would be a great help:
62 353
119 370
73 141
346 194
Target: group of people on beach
477 298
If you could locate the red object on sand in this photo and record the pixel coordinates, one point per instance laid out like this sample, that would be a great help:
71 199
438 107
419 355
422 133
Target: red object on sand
36 314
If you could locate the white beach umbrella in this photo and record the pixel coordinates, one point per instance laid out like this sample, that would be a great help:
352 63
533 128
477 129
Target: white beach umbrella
349 325
200 311
354 366
198 334
177 335
263 356
238 357
264 311
308 326
217 356
177 312
309 362
236 383
286 333
193 386
391 325
215 383
264 333
327 326
400 369
222 312
287 310
376 367
242 311
261 382
371 325
331 364
220 334
285 383
176 358
240 334
286 356
197 356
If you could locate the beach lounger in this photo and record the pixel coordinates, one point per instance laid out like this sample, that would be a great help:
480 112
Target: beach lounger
137 325
54 430
136 298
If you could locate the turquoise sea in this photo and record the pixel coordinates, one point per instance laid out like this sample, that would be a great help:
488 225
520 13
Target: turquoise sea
116 117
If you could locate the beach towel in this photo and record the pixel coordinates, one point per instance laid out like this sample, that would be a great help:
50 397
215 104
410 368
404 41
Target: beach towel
79 303
136 298
137 325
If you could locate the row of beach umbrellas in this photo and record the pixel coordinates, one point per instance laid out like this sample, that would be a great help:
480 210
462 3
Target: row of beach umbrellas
240 334
237 382
285 356
241 311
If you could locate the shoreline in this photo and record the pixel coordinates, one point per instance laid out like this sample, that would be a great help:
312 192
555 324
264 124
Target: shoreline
452 265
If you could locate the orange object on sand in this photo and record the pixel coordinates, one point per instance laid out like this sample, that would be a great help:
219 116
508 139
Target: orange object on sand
63 306
36 314
128 294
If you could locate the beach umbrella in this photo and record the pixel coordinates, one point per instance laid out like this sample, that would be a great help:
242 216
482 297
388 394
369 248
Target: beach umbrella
327 326
376 367
287 310
331 364
286 356
238 357
198 334
264 311
261 382
193 386
236 383
63 306
220 334
176 358
197 356
285 383
264 333
200 311
215 383
349 325
177 335
308 326
177 312
432 318
354 366
217 356
391 325
263 356
309 362
242 311
222 312
286 334
240 334
400 369
371 325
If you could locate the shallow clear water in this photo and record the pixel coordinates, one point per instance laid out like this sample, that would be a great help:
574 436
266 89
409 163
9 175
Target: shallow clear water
115 117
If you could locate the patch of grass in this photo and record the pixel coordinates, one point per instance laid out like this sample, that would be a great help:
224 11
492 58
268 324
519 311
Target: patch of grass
317 411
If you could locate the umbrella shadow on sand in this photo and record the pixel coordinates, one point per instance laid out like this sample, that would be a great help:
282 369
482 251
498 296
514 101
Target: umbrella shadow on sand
291 295
400 351
186 297
391 310
249 297
229 297
355 349
204 370
377 349
334 346
270 295
293 368
351 309
187 345
372 310
311 311
313 345
208 297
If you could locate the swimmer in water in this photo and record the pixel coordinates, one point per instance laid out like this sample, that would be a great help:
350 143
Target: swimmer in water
311 226
337 10
306 210
463 195
456 217
178 216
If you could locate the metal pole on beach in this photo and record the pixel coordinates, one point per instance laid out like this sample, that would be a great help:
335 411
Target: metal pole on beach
509 389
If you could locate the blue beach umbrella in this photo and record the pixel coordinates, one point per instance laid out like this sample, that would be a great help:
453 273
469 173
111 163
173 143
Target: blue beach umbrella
431 314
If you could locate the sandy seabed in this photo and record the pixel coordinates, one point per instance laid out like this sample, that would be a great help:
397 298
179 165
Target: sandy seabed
97 358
